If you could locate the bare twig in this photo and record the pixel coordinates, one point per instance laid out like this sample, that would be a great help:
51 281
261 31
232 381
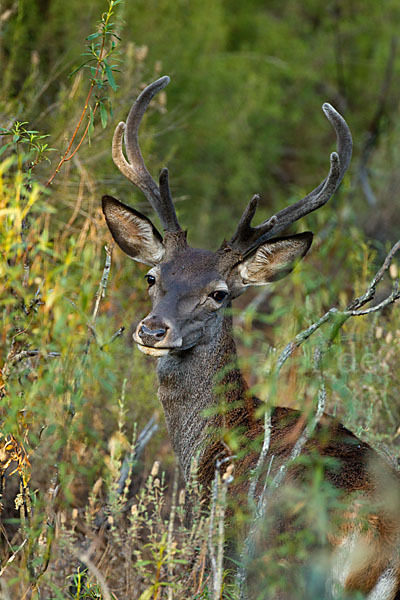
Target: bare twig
144 437
254 306
247 551
352 309
13 556
101 292
170 534
211 547
302 337
13 358
217 514
85 559
370 293
255 474
395 295
113 337
30 353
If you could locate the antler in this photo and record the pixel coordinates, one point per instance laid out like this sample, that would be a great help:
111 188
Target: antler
134 168
246 238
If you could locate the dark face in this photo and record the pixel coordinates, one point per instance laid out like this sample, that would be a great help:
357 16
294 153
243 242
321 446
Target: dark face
190 288
188 294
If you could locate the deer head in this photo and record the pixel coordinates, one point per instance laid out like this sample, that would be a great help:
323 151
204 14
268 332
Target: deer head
189 287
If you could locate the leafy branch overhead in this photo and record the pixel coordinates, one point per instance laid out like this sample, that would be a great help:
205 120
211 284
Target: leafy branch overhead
101 78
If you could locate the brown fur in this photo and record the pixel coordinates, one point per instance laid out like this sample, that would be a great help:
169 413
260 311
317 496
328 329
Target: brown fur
204 396
207 406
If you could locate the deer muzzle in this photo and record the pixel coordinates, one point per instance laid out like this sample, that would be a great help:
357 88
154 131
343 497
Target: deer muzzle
155 337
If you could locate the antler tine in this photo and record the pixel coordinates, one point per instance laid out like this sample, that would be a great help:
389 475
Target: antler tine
134 168
164 186
245 234
247 238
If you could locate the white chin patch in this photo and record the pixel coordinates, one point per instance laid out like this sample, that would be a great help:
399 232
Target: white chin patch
153 351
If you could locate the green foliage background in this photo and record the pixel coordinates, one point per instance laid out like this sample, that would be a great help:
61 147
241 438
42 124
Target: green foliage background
240 116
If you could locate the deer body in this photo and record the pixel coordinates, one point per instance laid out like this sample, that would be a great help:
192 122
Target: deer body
190 332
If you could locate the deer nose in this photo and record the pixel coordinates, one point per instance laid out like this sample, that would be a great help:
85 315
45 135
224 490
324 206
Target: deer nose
150 336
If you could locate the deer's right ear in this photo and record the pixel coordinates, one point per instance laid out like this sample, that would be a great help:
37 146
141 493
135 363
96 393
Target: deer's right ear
134 233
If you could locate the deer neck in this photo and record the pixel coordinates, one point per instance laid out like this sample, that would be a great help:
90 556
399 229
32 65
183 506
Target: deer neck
190 390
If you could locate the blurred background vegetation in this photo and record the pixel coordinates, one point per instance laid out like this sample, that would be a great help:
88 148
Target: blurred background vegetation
242 115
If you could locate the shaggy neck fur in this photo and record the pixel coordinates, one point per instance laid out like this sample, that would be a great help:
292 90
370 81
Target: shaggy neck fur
188 390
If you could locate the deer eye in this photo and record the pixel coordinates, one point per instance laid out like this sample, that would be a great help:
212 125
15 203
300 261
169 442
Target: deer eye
219 296
150 279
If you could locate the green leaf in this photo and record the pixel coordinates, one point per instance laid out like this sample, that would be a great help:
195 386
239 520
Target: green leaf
110 76
147 594
92 36
80 67
103 115
4 148
50 429
143 563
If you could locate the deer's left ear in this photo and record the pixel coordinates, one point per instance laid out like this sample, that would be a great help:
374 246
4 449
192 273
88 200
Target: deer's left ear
271 261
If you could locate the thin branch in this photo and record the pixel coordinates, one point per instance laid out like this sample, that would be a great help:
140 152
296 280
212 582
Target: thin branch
114 337
255 473
248 546
144 437
395 295
217 513
13 556
370 293
85 559
170 564
66 156
254 305
30 353
211 547
101 292
302 337
352 309
55 479
83 136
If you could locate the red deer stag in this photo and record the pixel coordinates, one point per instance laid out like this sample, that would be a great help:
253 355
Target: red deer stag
190 332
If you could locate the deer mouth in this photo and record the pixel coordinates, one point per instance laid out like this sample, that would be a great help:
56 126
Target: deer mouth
152 351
